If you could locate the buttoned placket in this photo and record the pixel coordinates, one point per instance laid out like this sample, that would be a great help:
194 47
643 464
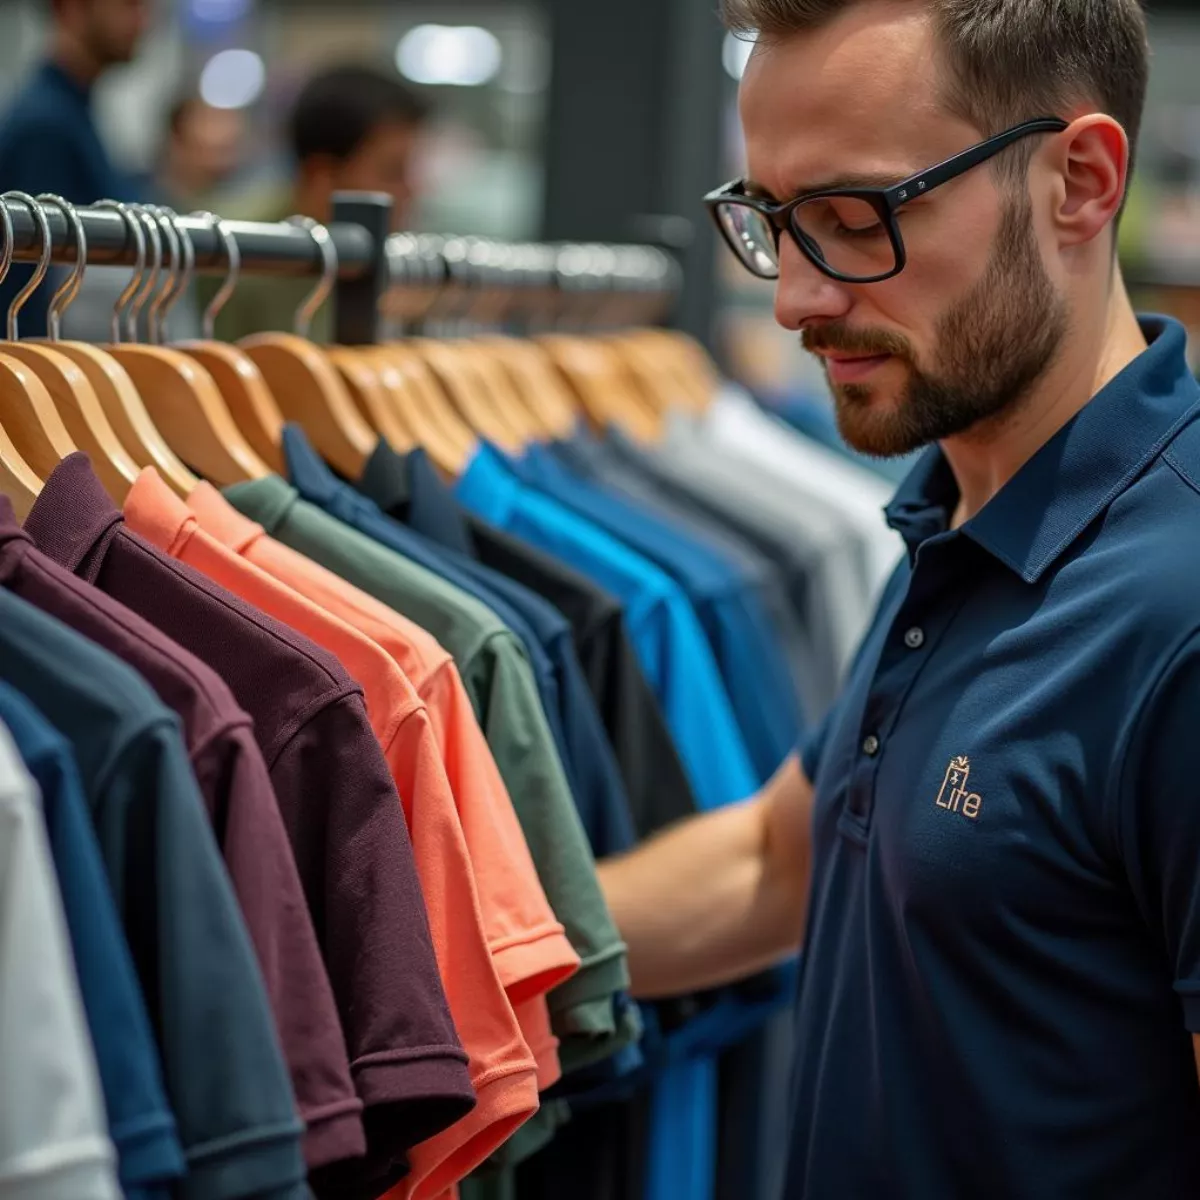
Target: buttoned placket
937 590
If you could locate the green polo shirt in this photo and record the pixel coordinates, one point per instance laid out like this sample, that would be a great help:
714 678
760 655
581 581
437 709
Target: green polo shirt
500 683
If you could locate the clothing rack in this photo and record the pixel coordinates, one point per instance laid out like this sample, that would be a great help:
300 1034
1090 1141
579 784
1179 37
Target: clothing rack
383 277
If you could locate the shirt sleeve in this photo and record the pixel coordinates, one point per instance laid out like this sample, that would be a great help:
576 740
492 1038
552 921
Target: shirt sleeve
225 1073
1158 827
355 859
254 844
53 1138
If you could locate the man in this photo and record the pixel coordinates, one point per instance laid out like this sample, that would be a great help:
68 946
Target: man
352 129
990 851
202 150
48 139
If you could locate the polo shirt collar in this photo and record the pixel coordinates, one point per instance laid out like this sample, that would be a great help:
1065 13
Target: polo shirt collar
273 500
158 514
307 470
14 541
74 519
221 521
488 486
1072 479
408 488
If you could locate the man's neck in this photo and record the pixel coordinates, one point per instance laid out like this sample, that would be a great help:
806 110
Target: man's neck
74 59
985 459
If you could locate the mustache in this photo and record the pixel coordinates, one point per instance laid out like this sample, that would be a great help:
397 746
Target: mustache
841 339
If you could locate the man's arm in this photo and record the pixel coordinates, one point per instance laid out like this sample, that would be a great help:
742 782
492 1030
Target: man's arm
721 895
1196 1051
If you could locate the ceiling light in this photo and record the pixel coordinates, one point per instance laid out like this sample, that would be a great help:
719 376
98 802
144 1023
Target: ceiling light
450 55
233 79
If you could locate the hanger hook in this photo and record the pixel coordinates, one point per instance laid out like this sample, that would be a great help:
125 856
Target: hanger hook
233 255
6 251
157 309
46 250
324 239
133 226
182 278
65 296
150 282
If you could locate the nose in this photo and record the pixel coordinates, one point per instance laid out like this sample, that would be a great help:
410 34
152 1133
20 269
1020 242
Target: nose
805 295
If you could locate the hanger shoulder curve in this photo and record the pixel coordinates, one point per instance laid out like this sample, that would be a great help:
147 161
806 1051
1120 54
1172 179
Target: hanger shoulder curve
30 417
361 376
185 405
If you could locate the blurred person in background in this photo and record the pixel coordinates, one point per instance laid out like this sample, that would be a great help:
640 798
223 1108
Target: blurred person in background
353 128
202 150
48 138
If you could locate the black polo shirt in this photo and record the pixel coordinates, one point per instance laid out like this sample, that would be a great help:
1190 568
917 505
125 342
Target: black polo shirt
1002 971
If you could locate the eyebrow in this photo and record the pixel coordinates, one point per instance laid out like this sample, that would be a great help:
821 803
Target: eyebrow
841 183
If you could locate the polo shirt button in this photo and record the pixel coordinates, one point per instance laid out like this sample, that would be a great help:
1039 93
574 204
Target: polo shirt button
914 639
871 746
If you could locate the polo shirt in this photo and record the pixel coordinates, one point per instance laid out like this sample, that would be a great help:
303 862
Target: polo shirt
233 780
594 460
670 643
498 679
502 1070
409 491
140 1122
225 1074
1002 964
722 595
53 1140
338 804
527 942
317 484
800 547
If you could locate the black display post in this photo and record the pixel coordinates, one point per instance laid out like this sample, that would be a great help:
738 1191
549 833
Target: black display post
356 300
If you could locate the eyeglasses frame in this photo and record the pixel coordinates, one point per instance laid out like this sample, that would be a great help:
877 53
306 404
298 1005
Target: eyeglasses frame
885 201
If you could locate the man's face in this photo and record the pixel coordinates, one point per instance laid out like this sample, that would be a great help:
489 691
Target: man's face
957 338
210 141
384 162
113 29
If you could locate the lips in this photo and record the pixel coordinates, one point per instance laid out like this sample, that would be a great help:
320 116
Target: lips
853 368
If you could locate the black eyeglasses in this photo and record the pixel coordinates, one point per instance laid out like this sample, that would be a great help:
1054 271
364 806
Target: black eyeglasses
851 234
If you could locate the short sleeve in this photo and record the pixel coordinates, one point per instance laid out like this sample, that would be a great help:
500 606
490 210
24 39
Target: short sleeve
355 859
1159 826
235 1108
254 844
53 1138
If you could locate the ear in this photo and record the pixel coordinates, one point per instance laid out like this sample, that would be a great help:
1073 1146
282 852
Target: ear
1093 167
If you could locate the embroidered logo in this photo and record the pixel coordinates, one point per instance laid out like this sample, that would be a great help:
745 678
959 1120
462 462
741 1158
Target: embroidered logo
954 794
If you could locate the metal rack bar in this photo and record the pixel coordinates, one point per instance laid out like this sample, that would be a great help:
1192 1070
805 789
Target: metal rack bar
267 249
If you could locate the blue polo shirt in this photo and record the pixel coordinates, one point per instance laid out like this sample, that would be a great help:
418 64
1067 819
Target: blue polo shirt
1002 967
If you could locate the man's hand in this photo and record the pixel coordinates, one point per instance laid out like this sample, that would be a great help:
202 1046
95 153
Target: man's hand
720 896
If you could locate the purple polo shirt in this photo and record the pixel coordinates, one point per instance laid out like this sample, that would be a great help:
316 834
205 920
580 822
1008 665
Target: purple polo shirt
339 806
241 804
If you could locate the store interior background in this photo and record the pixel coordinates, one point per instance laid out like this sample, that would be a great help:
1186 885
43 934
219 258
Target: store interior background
572 120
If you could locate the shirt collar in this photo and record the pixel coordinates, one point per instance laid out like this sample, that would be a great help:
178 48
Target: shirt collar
488 487
1072 479
306 469
14 541
271 500
221 521
73 520
155 512
50 72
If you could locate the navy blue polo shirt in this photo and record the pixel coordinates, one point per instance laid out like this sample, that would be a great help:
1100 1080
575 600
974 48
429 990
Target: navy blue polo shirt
1002 967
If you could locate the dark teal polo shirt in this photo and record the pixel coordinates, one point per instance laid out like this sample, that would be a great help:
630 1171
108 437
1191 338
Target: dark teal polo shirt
1003 953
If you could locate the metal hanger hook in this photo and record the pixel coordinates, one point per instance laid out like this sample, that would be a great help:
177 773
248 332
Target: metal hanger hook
150 282
133 226
66 294
6 251
228 286
156 318
181 279
46 250
324 239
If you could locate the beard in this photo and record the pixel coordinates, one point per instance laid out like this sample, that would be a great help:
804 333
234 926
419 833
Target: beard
991 348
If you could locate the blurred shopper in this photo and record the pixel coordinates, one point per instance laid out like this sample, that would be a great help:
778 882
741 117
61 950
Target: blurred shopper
353 128
202 150
48 139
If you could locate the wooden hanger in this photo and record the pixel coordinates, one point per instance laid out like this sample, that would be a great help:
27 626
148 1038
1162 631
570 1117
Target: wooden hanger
435 424
72 395
304 381
605 394
17 479
361 374
180 395
533 375
30 418
235 373
452 368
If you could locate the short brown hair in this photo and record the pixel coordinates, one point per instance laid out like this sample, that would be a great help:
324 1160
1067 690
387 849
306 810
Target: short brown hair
1009 60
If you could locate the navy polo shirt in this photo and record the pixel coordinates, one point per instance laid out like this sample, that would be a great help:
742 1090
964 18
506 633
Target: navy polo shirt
1002 966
